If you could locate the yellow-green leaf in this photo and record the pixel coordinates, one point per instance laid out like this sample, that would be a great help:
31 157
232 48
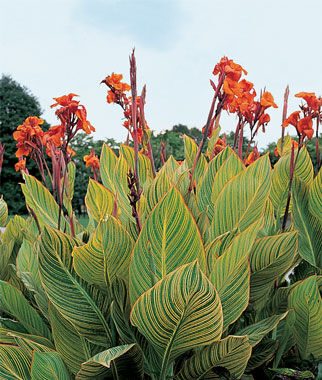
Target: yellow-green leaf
48 365
190 152
3 212
181 312
169 238
281 178
240 202
231 353
306 301
108 160
99 200
315 196
14 363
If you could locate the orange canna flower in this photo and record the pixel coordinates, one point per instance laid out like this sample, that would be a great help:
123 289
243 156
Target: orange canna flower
250 159
305 127
20 165
311 100
292 119
70 151
66 101
92 160
28 135
267 100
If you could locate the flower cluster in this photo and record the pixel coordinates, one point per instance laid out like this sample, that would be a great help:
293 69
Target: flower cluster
116 94
311 110
72 115
29 136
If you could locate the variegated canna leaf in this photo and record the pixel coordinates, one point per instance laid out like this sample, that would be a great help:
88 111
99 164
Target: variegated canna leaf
108 160
231 353
190 152
315 196
182 311
239 204
169 238
99 201
14 363
48 365
306 301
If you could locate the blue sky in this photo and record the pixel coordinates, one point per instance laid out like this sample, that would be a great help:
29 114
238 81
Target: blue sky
59 46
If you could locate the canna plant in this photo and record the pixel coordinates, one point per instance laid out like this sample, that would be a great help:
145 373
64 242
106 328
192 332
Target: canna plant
180 273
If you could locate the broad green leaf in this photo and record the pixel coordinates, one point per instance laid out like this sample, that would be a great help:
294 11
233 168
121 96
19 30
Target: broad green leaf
181 312
231 353
81 304
6 249
158 188
170 168
212 141
270 258
306 301
106 255
287 146
258 330
3 212
269 227
14 363
145 170
68 342
240 202
169 238
204 190
48 365
13 302
99 200
5 338
308 225
121 362
69 187
108 160
229 168
121 187
230 274
281 178
261 353
315 196
30 343
41 201
190 152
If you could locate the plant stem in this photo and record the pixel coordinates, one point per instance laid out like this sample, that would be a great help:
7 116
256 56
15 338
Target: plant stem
292 168
286 94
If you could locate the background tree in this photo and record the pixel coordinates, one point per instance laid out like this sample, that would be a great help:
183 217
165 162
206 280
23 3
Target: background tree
16 104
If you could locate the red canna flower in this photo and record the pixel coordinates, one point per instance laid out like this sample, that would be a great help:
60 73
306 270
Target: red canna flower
92 160
29 136
312 101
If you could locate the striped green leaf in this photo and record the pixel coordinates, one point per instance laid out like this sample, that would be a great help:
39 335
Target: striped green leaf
293 373
269 227
99 200
108 160
190 152
281 178
68 342
240 202
157 189
258 330
230 274
41 201
69 187
3 212
229 168
14 363
106 255
30 343
169 238
306 301
181 312
81 304
308 225
287 145
13 302
315 196
270 258
231 353
261 353
121 362
170 168
145 170
204 190
48 365
212 141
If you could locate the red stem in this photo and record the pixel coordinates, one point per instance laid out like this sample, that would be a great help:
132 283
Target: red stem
286 94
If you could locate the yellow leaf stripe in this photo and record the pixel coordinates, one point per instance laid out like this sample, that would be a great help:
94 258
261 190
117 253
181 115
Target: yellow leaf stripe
108 161
169 238
180 312
99 200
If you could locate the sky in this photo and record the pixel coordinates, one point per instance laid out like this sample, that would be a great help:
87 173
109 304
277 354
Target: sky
55 47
